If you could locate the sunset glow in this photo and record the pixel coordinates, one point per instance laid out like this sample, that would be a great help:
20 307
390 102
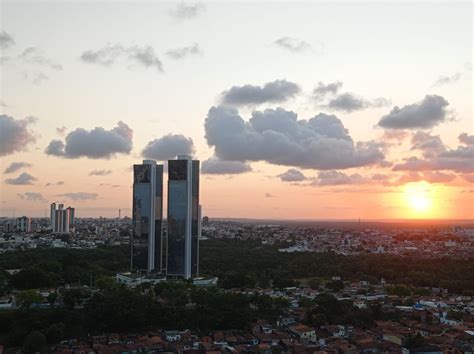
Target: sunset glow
288 118
419 199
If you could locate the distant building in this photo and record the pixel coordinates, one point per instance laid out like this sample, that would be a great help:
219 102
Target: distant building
183 218
61 219
205 221
23 224
72 216
147 217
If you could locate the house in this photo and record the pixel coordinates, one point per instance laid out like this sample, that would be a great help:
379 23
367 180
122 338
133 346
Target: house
172 336
302 331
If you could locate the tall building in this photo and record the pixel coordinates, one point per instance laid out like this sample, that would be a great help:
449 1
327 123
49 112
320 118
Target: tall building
147 217
52 215
72 216
183 218
23 224
61 219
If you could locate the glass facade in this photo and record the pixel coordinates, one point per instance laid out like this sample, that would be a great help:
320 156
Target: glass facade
147 217
183 205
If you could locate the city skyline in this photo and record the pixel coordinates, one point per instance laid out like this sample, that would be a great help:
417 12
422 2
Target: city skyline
346 112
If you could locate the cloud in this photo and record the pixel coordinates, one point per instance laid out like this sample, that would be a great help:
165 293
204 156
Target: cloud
292 175
186 12
34 55
183 52
144 56
328 96
390 134
14 134
23 179
445 80
269 195
214 166
272 92
95 144
100 172
293 45
428 176
466 139
439 158
6 40
61 130
39 78
32 196
469 178
337 178
79 196
15 166
428 144
459 160
277 137
425 114
59 183
349 102
323 89
168 147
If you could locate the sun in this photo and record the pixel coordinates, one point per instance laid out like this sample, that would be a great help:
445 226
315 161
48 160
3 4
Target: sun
419 198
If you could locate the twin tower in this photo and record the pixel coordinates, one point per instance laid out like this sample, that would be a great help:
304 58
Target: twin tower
177 254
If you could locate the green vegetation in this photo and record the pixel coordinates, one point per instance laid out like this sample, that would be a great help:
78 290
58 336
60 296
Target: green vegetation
240 264
173 305
109 307
247 263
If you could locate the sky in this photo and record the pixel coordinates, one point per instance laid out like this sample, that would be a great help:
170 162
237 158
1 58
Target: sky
295 110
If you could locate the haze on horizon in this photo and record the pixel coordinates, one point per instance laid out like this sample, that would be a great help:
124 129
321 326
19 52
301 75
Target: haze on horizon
296 111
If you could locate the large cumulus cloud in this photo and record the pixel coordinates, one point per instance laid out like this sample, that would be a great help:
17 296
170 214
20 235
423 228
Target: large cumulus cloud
425 114
15 134
277 137
272 92
168 147
95 144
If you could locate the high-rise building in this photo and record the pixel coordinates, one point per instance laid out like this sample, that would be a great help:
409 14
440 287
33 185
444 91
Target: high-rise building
52 215
147 217
61 219
72 216
23 224
183 218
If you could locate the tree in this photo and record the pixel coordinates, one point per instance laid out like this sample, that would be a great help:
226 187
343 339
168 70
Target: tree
335 285
24 299
34 342
55 332
52 297
314 283
31 278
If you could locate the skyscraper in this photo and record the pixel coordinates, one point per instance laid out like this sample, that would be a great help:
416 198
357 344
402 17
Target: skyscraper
61 219
72 216
147 217
183 217
53 215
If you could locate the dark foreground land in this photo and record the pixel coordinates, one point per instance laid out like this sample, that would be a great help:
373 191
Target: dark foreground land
93 303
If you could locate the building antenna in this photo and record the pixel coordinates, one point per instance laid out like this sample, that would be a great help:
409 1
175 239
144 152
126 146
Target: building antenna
120 212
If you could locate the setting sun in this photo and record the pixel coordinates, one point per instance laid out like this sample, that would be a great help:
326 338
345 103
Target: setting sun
419 197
